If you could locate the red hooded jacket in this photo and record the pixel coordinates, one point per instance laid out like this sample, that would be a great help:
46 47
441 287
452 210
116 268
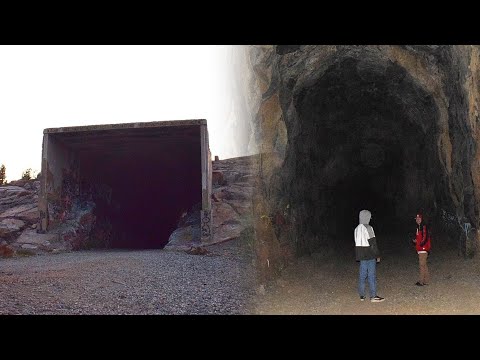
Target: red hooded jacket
423 238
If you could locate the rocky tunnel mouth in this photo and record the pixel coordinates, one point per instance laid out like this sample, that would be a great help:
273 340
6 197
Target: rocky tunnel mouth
140 181
365 138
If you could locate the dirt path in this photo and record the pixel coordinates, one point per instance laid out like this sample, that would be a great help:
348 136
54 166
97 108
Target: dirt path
329 286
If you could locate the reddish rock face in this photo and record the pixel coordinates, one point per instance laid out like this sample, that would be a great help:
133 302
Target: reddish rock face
6 250
217 178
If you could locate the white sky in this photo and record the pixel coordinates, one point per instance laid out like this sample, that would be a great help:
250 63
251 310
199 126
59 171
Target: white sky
56 86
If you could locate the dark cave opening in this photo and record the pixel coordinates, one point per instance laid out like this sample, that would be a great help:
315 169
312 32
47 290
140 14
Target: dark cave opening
364 139
141 181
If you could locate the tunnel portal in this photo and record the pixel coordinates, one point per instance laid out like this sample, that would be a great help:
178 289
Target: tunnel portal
366 139
138 179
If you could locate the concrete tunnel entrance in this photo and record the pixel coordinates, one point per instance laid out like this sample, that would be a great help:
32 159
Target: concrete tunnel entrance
365 139
141 178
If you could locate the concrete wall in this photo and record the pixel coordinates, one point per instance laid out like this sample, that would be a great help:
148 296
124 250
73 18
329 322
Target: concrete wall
206 212
56 159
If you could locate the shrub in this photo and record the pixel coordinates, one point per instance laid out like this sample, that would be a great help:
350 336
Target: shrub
27 174
3 176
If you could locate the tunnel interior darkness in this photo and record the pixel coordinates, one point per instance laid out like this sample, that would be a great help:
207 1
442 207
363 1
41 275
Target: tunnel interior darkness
141 181
366 140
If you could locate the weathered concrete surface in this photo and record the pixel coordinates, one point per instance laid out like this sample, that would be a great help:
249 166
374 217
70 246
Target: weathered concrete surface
327 117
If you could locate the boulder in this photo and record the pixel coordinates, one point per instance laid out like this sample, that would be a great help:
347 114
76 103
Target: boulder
9 227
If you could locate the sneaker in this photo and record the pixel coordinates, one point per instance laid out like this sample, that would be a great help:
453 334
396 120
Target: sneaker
362 298
377 299
418 283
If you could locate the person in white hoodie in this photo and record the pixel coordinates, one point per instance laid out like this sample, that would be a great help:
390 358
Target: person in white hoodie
366 251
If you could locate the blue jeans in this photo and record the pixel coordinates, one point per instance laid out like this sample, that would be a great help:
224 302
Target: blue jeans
367 269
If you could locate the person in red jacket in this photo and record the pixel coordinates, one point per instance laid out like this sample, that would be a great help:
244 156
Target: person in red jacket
423 245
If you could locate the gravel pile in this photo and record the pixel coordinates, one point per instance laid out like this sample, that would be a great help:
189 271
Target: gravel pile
129 282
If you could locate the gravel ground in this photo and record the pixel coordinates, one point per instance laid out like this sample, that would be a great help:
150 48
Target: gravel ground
129 282
329 286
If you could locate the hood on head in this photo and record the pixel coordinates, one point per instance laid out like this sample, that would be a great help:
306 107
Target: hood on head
364 217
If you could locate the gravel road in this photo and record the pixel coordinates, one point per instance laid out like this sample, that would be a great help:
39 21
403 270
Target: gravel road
129 282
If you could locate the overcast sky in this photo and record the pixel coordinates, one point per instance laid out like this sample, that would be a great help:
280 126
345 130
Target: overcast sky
56 86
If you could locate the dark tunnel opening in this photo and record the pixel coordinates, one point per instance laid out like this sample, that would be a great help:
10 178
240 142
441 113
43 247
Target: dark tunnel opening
141 181
365 139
